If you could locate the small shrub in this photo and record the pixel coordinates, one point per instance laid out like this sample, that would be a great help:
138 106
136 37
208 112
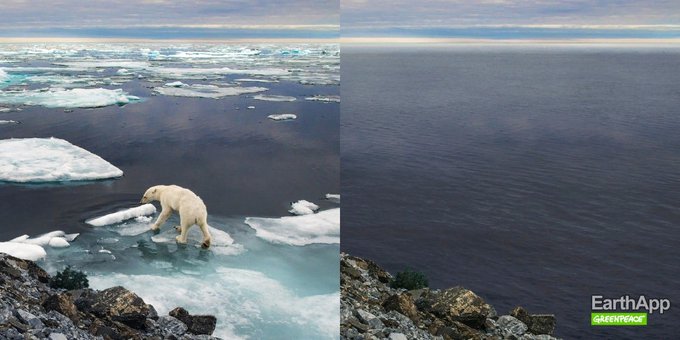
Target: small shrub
410 280
69 279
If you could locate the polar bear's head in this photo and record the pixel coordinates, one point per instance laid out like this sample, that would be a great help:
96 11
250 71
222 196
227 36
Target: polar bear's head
151 194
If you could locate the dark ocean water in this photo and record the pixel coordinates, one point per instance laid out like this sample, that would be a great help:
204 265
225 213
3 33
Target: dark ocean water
533 176
237 160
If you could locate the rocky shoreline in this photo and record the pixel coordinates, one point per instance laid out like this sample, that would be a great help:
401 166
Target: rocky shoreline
371 309
31 309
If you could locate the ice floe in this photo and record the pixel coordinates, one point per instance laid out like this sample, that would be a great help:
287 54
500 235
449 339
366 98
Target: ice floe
73 98
322 227
3 76
50 160
303 207
4 122
282 116
333 197
325 99
33 249
175 84
274 98
23 251
255 80
222 243
123 215
206 91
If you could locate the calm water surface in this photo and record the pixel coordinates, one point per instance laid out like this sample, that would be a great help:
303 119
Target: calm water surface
533 176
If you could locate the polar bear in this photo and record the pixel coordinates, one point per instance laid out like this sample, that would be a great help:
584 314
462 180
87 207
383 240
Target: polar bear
191 210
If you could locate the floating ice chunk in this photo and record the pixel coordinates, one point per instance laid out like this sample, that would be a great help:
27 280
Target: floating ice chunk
175 84
206 91
71 237
274 98
24 251
303 207
323 227
325 99
192 72
5 122
42 240
250 107
123 72
222 243
104 251
333 197
3 76
50 160
108 63
74 98
282 116
120 216
255 80
58 242
5 109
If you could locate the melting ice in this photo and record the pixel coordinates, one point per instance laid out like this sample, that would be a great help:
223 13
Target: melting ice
74 98
258 285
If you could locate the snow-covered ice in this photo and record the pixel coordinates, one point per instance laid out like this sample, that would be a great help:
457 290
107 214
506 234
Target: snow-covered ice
333 197
322 227
175 84
123 215
282 116
50 160
5 122
274 98
23 251
206 91
303 207
63 98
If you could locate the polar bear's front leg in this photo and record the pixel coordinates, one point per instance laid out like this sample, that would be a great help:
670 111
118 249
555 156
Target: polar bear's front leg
165 214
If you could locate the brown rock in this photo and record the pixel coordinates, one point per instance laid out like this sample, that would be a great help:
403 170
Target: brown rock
119 304
537 323
459 304
62 303
197 324
403 304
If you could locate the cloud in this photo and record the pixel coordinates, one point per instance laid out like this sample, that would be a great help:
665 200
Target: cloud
31 16
361 17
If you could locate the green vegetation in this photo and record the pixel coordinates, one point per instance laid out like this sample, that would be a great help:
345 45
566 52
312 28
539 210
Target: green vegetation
69 279
409 279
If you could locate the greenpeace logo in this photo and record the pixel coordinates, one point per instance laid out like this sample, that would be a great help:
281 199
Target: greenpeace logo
641 305
625 303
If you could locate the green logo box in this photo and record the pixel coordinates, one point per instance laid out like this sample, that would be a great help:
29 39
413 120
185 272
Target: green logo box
618 319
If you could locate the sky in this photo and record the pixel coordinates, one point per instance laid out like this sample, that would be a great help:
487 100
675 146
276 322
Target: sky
170 19
512 19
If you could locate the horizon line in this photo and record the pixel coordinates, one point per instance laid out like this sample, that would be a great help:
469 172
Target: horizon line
511 41
19 40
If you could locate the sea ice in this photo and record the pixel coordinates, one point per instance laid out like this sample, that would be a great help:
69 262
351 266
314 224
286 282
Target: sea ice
120 216
222 243
255 80
282 116
58 242
4 122
322 227
23 251
325 99
50 160
274 98
206 91
3 76
333 197
303 207
175 84
73 98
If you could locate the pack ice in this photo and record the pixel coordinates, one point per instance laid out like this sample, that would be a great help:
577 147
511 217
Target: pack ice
180 89
50 160
32 249
73 98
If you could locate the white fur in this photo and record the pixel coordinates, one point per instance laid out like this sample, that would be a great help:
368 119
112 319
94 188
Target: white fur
191 210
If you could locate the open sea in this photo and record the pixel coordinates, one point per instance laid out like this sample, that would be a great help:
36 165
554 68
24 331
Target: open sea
534 176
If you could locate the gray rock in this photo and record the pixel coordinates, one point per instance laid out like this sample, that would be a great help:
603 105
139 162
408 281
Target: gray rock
397 336
58 336
509 325
172 326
